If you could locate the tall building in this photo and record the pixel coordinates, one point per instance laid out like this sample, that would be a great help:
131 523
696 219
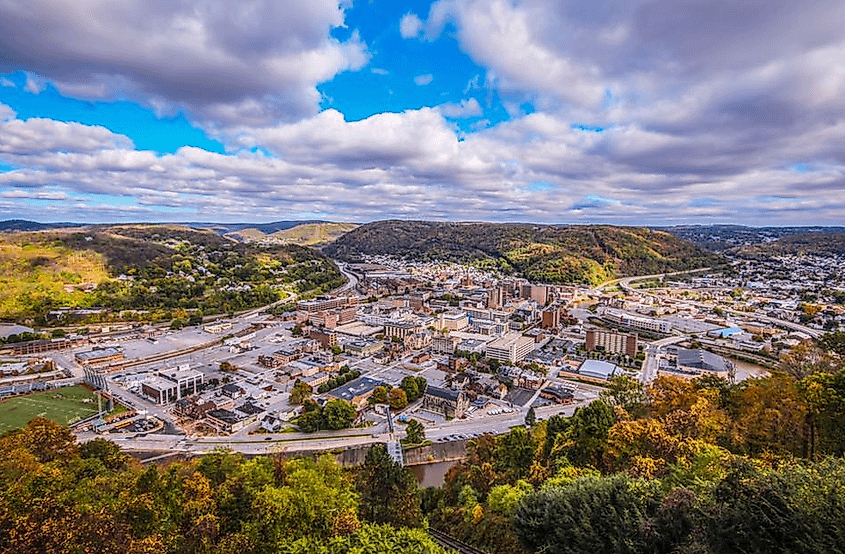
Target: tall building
611 341
538 293
454 321
511 348
495 298
551 318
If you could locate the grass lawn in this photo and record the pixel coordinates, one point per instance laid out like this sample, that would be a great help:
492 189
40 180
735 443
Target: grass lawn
64 406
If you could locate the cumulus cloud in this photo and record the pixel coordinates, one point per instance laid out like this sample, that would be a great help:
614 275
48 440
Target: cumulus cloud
220 60
643 112
409 164
37 136
410 25
422 80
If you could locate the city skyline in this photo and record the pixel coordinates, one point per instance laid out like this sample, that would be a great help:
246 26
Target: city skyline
641 113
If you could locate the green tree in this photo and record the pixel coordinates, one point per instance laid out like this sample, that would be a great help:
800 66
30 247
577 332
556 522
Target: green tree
531 417
591 514
414 432
338 414
504 499
514 453
627 393
388 491
585 439
112 457
414 387
379 396
314 500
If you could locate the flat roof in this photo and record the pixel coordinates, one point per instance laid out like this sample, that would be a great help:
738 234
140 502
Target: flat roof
597 367
356 387
99 353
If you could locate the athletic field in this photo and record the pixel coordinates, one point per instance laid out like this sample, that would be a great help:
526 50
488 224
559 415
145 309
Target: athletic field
64 406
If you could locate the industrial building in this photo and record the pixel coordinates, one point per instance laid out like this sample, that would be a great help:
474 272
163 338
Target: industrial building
702 361
171 385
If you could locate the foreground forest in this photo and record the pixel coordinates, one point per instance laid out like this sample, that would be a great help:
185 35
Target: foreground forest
57 497
698 466
702 466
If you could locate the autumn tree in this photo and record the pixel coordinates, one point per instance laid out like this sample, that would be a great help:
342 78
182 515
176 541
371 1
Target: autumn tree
300 393
397 399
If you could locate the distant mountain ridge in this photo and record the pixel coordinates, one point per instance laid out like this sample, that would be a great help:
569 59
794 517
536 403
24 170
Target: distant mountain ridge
565 254
724 237
221 228
26 225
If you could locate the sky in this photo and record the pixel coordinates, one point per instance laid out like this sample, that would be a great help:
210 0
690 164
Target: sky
630 112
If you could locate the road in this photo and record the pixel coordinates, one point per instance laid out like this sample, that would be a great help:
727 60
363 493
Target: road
653 353
326 440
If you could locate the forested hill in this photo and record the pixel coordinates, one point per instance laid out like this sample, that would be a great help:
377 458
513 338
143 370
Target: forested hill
156 272
812 243
544 253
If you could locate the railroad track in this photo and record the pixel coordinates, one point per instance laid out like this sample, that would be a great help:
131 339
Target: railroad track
447 541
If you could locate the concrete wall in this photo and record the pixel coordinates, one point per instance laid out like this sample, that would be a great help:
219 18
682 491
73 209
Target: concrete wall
436 452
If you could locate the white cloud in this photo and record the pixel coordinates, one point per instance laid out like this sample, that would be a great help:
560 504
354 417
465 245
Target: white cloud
410 25
422 80
6 113
409 164
34 84
466 108
4 82
219 60
379 71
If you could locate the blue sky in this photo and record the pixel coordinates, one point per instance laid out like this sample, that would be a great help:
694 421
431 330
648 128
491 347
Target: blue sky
534 110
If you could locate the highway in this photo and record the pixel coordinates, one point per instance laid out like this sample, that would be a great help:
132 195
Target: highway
328 440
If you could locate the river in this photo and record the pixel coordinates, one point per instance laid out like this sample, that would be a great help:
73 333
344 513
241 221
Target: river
748 370
433 474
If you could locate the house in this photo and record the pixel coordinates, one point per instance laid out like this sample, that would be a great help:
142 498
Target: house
233 391
558 394
271 424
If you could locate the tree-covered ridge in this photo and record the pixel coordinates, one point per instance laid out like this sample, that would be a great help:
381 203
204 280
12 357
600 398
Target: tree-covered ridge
698 466
158 270
816 243
543 253
57 497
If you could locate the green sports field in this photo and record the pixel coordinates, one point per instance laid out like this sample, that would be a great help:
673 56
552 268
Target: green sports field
64 405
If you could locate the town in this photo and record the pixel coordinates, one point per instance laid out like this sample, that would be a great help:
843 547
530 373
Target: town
457 350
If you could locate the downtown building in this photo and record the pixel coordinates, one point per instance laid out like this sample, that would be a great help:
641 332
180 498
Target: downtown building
511 348
612 341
